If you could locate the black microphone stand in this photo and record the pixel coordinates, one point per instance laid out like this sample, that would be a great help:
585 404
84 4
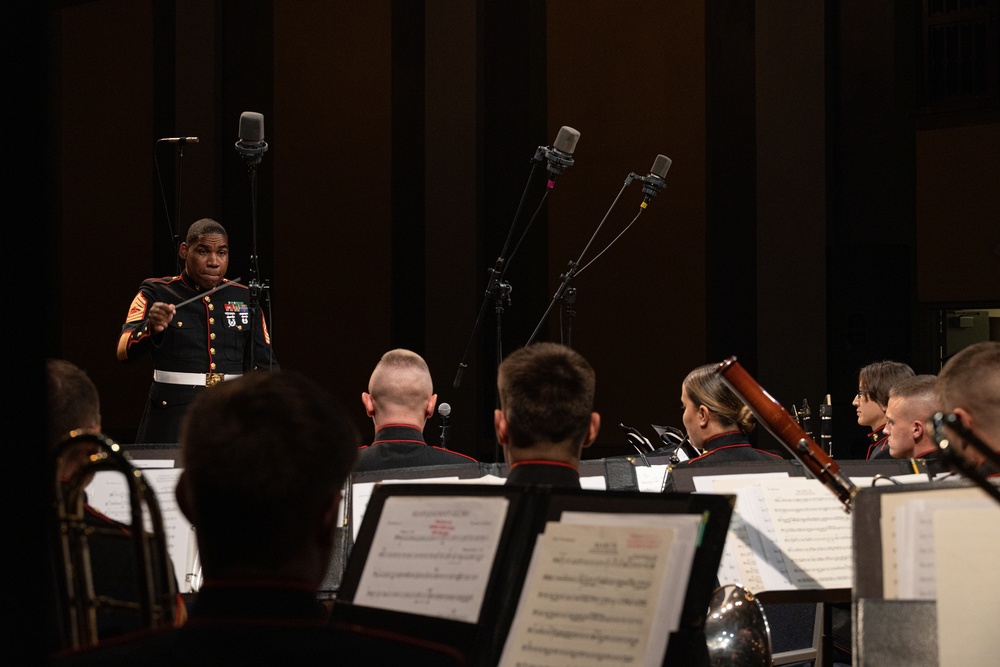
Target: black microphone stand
566 294
498 290
257 289
178 176
173 228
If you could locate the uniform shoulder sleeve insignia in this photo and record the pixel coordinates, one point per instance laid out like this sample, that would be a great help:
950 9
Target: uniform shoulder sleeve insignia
137 311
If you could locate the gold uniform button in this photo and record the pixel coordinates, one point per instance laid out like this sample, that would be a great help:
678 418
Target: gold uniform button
208 299
211 320
239 327
213 365
180 324
212 335
212 350
164 404
211 306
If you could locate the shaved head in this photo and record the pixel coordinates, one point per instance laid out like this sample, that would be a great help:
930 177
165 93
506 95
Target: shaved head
400 387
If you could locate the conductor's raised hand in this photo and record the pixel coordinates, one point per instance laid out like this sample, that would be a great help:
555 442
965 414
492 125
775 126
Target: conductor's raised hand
160 315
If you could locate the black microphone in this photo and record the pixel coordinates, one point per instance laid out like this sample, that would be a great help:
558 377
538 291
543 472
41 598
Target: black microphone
654 183
560 156
445 411
251 144
178 140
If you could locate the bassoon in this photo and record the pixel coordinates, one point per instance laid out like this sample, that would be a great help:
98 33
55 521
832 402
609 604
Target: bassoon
780 424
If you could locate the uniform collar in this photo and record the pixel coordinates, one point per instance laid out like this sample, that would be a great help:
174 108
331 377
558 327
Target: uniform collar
537 473
399 433
728 439
877 435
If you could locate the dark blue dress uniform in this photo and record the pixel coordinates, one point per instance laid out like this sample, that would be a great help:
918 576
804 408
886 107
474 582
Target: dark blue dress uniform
551 473
878 445
206 342
403 446
731 446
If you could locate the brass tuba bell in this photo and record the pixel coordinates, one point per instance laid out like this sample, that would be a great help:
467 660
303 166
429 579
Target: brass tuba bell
736 629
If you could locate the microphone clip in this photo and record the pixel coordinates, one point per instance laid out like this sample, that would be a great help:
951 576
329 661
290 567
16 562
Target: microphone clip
558 160
252 153
652 184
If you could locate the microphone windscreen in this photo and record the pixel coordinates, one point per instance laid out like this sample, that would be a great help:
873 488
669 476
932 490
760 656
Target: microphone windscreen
251 127
566 140
660 166
444 409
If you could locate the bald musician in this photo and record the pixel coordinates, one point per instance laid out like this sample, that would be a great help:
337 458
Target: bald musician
400 399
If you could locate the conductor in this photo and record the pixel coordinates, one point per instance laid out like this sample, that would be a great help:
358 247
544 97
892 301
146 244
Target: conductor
194 344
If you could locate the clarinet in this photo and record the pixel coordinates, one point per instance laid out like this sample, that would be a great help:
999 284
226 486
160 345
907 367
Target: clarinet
826 426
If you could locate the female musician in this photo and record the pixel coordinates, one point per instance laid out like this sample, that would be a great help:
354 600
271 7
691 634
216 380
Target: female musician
874 382
717 421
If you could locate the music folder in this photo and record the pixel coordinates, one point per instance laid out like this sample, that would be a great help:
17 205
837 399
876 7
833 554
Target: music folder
925 574
609 473
564 575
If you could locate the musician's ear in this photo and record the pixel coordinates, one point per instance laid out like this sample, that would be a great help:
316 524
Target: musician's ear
182 251
703 415
369 403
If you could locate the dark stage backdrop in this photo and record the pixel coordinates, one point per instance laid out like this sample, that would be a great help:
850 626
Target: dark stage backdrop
400 138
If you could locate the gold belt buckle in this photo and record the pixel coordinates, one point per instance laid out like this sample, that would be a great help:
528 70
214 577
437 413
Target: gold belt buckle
212 379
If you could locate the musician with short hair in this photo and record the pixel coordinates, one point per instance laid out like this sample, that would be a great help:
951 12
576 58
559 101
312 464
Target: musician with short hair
911 403
400 399
874 382
546 415
969 387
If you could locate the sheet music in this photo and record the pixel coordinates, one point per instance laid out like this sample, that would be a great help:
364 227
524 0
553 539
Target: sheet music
651 477
768 557
591 596
966 544
432 555
152 463
814 533
108 492
594 483
707 483
361 493
687 528
914 525
739 563
785 534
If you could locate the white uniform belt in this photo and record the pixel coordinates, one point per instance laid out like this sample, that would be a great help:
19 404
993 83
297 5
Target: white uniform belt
193 379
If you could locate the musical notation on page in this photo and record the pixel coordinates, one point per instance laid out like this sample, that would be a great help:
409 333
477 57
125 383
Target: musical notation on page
592 595
432 555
